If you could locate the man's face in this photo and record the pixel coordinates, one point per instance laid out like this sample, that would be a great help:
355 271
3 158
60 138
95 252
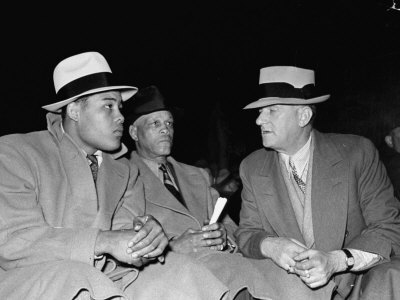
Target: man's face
99 122
280 129
153 134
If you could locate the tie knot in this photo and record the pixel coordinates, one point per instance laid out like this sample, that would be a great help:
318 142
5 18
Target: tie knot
92 158
94 165
163 168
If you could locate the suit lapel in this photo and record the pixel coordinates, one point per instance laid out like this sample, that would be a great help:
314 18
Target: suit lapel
155 191
82 189
191 188
111 183
329 194
274 199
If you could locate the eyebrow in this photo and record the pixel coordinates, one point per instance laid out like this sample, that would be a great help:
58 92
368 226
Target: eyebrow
110 98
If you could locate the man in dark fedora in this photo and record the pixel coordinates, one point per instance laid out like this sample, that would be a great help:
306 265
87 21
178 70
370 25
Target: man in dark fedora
71 225
180 196
317 209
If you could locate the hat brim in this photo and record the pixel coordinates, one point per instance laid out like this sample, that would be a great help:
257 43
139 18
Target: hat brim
126 93
290 101
177 113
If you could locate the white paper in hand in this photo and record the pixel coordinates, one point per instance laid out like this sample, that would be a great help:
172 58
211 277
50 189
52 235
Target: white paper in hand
219 206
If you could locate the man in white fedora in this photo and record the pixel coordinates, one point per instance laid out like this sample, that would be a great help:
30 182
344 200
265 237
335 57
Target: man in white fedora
318 209
67 230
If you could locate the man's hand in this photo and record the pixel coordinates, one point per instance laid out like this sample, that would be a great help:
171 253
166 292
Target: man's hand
210 236
189 241
150 240
282 251
115 243
315 268
215 235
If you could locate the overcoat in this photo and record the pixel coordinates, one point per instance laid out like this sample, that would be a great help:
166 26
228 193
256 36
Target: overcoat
232 269
51 213
353 205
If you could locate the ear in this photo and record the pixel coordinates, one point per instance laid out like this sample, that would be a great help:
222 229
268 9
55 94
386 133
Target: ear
73 111
133 132
389 141
305 114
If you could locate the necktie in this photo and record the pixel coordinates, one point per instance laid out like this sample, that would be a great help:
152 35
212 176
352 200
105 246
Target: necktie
169 184
297 178
94 165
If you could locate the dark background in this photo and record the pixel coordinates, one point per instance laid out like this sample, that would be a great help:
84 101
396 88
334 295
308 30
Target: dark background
206 55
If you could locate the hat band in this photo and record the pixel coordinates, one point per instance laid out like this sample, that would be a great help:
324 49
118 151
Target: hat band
286 90
83 84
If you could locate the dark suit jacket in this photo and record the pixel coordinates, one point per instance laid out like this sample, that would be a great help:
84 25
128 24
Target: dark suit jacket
352 200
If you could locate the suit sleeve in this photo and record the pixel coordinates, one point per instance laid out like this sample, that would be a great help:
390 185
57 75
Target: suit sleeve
252 230
25 236
379 207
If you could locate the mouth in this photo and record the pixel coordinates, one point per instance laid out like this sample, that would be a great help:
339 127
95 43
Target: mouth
118 132
165 141
265 131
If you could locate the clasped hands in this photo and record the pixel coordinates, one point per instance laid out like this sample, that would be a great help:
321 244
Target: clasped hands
145 242
212 236
314 267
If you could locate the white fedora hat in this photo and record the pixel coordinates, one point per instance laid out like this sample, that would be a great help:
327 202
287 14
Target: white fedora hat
286 85
84 74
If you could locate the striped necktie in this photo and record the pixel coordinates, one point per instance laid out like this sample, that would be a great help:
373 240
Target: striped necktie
297 178
169 184
94 165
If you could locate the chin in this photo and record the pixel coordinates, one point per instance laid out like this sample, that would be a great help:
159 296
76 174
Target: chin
164 150
165 153
266 143
111 147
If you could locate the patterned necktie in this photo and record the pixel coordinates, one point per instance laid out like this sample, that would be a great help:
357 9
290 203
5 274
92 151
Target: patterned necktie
94 165
169 184
297 178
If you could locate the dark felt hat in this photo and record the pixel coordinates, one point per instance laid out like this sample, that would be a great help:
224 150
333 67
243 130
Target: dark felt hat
146 101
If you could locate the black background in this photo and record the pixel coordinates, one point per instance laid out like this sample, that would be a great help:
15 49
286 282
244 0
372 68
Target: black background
200 54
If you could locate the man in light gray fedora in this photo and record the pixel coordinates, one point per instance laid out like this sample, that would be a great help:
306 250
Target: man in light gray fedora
318 209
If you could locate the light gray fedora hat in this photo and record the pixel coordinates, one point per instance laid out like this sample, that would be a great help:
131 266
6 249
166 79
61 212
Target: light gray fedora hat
84 74
286 85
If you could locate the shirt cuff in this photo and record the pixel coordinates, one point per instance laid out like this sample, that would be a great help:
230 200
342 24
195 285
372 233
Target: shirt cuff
364 260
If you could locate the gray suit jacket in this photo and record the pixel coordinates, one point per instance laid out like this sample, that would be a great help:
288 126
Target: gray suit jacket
196 190
352 200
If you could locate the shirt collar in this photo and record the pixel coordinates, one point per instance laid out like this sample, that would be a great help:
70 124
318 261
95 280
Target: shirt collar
299 159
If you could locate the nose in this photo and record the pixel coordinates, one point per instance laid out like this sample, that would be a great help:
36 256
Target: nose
120 118
260 119
164 129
